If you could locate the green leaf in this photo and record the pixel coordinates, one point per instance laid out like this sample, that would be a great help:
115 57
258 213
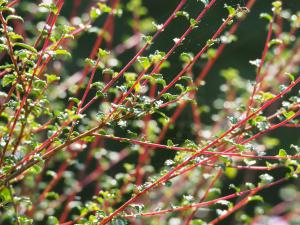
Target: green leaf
95 13
233 119
51 173
270 142
232 186
270 165
99 94
289 114
89 62
249 185
157 26
52 220
230 9
225 202
35 169
296 148
51 7
130 76
230 74
210 42
28 47
5 195
9 9
104 8
275 41
147 39
102 53
291 76
266 16
73 99
52 195
51 78
180 87
145 62
277 4
137 207
198 221
157 56
266 96
186 57
277 7
170 142
3 47
193 23
14 17
8 79
62 52
108 71
187 79
231 172
282 153
15 36
25 220
183 13
256 198
39 84
2 2
98 85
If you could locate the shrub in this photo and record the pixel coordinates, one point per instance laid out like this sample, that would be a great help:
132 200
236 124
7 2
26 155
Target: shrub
100 140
